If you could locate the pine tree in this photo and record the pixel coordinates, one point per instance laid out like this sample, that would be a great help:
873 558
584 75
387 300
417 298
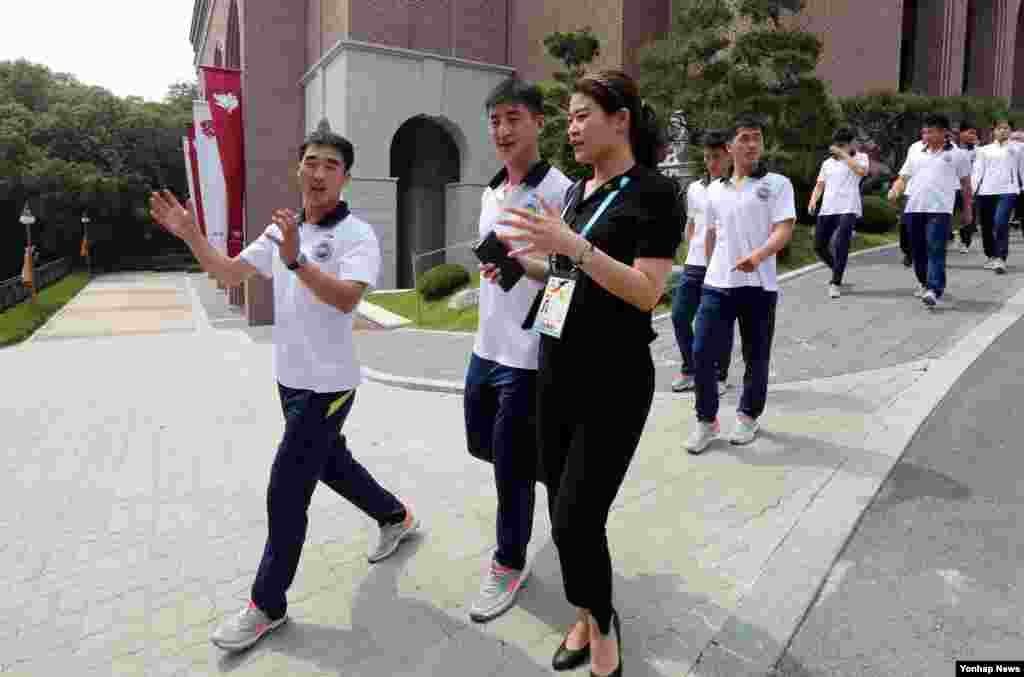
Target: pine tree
575 51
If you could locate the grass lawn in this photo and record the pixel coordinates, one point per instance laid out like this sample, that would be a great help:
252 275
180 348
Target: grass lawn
18 323
434 314
437 315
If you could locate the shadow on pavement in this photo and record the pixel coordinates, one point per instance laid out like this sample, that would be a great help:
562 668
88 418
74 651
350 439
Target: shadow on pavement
394 635
909 482
811 402
902 293
773 448
665 628
974 306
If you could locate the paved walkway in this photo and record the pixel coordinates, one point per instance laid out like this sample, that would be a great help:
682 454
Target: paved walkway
876 324
933 571
134 471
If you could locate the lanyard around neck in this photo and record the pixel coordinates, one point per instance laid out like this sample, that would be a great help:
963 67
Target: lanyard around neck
623 182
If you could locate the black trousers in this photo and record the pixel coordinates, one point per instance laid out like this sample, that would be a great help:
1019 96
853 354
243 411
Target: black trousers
589 422
906 244
832 236
312 450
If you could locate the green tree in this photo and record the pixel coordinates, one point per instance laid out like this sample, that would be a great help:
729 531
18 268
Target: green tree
722 57
575 51
892 120
67 147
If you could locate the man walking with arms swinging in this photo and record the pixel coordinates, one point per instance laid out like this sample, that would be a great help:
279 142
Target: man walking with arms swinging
321 263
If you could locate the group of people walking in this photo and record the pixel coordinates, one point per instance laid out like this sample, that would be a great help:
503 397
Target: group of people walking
945 173
580 268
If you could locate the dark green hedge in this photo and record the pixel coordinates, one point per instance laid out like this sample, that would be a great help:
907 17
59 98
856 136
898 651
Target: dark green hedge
880 216
442 280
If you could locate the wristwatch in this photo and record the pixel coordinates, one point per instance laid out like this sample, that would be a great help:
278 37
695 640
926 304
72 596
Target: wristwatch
299 261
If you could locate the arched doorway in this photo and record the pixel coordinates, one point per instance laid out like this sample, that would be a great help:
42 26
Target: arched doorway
424 159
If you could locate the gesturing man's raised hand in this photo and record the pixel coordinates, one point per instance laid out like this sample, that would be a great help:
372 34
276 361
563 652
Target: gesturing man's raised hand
172 216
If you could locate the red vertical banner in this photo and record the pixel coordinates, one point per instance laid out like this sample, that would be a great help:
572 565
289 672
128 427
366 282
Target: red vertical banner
224 94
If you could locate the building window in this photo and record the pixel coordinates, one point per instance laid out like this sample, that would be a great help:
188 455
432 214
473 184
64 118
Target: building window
908 45
969 47
234 49
218 57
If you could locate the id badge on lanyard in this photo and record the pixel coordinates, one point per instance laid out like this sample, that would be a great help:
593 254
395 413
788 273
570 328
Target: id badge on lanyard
557 298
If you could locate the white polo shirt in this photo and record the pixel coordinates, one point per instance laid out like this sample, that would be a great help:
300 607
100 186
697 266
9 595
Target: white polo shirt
697 211
500 336
743 216
313 347
997 169
914 148
936 179
842 186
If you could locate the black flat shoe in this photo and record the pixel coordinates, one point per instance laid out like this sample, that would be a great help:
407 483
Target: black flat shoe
617 672
570 659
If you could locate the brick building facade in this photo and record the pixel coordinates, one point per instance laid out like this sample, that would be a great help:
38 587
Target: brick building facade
404 80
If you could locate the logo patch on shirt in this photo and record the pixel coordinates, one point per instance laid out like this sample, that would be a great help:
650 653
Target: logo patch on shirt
322 252
947 158
764 192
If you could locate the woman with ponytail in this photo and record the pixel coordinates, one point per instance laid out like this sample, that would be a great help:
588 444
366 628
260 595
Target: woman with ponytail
609 256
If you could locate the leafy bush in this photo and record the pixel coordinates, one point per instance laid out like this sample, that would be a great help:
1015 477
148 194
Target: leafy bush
892 120
442 280
879 215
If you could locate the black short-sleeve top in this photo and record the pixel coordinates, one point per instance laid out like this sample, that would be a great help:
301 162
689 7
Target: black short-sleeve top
643 221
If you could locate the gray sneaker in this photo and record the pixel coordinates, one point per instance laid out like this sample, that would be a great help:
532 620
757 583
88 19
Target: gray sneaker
745 431
929 299
498 592
1000 267
392 535
703 435
244 629
683 383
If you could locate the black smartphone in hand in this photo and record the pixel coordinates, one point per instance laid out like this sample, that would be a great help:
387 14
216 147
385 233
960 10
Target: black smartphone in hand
492 250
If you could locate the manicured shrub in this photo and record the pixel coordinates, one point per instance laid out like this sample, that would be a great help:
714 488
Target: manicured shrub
879 215
442 280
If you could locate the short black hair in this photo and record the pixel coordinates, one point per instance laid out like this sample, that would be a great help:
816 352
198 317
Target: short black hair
714 138
968 124
323 137
746 121
936 120
513 91
843 135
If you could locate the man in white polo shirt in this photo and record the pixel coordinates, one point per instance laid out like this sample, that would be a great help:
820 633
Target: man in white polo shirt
321 263
839 180
686 298
500 391
754 211
936 170
996 182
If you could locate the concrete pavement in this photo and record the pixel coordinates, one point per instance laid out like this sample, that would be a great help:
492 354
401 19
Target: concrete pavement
136 469
933 573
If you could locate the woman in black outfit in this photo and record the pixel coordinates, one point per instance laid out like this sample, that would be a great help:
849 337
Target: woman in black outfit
609 253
